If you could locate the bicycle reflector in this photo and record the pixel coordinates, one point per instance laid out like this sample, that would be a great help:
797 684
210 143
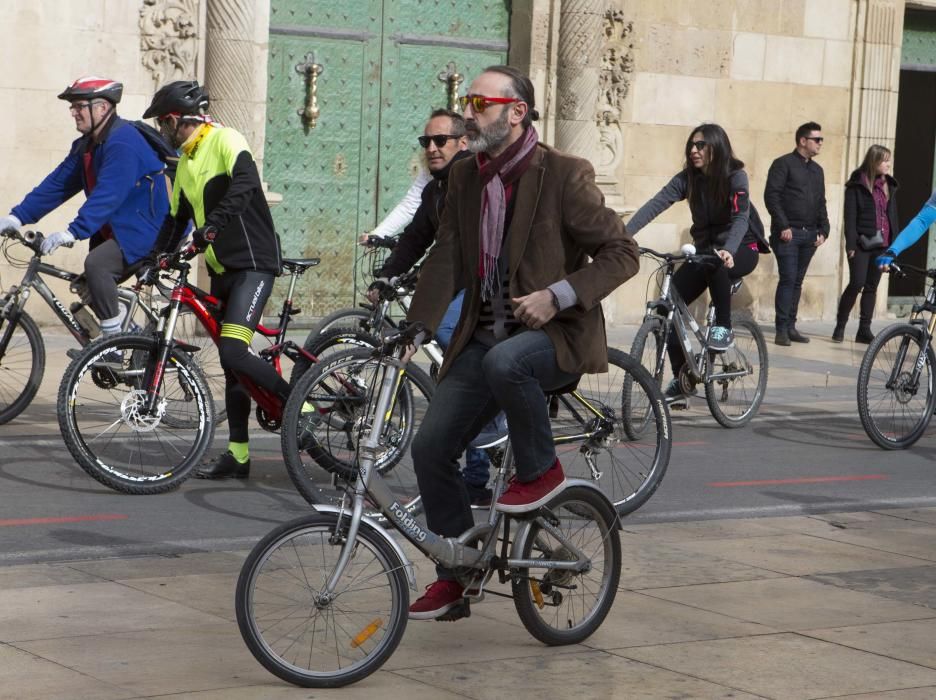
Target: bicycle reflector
366 633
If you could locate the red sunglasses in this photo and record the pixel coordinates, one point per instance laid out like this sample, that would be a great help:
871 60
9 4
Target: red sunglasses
479 103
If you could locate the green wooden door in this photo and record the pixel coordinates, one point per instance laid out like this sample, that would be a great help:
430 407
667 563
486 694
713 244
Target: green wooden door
381 63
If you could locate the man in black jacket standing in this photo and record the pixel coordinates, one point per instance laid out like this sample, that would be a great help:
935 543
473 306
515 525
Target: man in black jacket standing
799 223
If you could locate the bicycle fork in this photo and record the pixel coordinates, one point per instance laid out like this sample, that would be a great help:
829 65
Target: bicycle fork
897 370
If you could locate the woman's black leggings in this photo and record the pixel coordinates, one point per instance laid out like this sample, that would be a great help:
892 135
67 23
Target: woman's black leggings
691 280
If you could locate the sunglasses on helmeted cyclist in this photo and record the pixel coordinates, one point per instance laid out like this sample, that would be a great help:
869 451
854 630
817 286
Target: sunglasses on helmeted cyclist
438 139
479 103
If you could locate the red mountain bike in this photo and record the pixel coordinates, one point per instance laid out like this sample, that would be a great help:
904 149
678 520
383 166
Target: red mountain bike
135 410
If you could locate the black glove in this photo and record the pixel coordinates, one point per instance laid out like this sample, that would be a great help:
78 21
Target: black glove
148 274
204 236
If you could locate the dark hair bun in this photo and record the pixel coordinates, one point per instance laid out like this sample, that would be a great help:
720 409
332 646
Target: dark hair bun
534 115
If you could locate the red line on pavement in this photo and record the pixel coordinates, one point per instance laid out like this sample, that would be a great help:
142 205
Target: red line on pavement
67 519
804 480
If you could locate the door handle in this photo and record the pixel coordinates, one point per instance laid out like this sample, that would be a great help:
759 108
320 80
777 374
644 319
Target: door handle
453 78
311 69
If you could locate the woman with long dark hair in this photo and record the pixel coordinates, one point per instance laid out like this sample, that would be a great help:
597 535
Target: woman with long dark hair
870 225
714 183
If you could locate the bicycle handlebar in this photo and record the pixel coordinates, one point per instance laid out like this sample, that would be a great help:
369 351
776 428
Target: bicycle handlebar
388 242
698 258
30 239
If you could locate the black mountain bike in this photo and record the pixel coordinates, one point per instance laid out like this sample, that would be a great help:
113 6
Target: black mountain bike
896 395
22 350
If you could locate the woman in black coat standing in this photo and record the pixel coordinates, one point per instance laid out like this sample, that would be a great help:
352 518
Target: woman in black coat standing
870 225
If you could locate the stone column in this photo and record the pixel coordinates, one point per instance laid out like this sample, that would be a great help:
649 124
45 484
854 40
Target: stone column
591 84
876 78
580 48
236 51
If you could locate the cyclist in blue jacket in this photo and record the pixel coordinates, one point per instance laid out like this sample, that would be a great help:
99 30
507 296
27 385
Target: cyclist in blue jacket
126 188
912 232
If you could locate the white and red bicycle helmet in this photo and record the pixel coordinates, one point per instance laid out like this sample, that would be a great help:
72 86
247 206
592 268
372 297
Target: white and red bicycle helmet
91 87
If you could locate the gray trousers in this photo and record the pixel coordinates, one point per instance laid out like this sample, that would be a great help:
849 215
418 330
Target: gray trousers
104 267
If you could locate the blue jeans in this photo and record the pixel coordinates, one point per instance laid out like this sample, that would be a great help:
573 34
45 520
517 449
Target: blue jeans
512 376
443 334
792 262
477 465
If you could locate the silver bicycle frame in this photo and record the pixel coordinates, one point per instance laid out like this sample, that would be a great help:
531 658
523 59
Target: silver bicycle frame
449 552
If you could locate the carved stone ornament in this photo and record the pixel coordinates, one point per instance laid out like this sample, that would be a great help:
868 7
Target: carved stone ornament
168 38
614 79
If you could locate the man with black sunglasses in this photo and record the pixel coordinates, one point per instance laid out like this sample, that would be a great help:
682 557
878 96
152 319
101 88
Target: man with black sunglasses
799 223
526 229
444 142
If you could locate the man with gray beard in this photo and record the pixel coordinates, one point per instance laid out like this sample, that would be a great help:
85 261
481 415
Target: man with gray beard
526 229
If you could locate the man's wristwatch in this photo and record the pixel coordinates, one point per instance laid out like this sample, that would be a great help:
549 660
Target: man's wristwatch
555 301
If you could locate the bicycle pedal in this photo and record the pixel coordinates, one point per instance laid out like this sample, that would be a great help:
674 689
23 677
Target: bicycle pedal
679 404
462 609
474 591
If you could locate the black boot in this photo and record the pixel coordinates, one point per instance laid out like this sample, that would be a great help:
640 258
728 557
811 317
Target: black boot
224 466
782 337
838 333
796 336
864 334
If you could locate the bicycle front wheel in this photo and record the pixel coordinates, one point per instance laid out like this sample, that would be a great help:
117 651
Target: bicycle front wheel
565 606
309 636
190 330
109 429
647 349
328 412
737 378
895 402
593 442
22 364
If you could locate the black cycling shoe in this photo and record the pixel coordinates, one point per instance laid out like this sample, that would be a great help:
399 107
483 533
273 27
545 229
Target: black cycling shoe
224 466
479 496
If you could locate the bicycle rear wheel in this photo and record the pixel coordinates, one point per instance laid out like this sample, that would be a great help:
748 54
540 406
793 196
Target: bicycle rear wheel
110 433
309 637
895 408
562 606
334 329
22 365
328 412
593 442
738 377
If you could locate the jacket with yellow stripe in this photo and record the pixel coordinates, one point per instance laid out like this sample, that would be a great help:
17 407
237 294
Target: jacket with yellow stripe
217 184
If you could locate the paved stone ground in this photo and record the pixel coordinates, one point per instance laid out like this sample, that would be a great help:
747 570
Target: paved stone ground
824 606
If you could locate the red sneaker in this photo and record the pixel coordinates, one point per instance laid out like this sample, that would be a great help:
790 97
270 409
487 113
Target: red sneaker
439 598
521 497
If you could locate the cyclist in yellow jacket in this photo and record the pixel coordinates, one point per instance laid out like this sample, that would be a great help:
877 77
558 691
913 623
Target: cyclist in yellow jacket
217 186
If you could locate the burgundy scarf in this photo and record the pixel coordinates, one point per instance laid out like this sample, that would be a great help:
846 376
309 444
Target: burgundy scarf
498 176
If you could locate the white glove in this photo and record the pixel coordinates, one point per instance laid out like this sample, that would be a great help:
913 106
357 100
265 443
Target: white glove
10 222
54 240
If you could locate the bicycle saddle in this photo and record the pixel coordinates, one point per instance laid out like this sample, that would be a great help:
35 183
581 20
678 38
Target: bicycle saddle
299 264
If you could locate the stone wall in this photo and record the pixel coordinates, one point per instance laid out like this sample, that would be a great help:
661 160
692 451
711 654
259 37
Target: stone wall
759 68
49 43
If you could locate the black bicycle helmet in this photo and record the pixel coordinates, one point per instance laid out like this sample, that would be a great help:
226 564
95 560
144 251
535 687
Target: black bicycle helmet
92 87
181 98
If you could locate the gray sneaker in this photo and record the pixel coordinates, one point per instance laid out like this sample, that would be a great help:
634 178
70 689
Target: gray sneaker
720 339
